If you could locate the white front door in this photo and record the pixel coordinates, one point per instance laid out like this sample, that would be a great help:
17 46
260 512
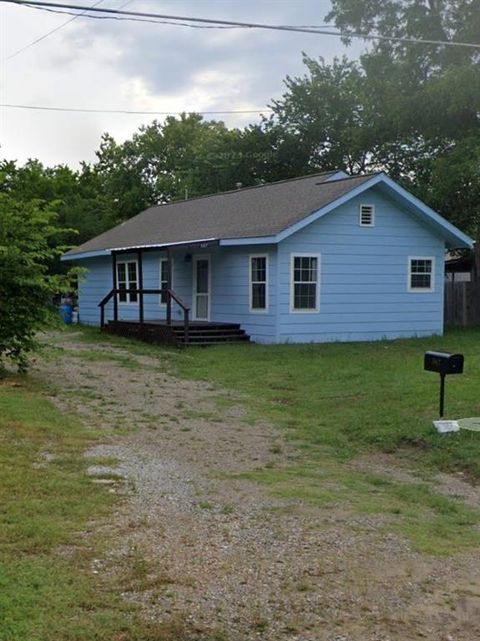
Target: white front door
201 288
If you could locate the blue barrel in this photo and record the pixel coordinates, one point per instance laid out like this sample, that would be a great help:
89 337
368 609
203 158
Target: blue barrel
66 313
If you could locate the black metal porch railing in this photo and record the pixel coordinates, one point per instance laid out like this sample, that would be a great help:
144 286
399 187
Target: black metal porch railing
169 293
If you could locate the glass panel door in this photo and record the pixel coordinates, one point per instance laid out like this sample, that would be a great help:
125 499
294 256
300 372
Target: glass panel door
201 293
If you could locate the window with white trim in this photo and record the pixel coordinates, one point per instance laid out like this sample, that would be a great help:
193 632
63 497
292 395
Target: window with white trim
366 216
127 278
258 283
304 292
164 279
420 275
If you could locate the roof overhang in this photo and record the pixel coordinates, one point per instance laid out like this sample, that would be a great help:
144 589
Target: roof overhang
187 244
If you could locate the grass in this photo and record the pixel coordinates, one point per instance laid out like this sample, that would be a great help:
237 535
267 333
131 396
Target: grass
339 401
334 402
47 503
433 524
345 399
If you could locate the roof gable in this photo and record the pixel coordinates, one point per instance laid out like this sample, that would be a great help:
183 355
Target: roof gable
454 238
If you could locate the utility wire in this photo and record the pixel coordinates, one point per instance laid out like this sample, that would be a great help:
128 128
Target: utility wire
49 33
138 113
64 24
168 22
249 25
129 19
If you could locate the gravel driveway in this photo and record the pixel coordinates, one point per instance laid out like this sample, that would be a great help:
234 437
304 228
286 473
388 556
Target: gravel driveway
198 547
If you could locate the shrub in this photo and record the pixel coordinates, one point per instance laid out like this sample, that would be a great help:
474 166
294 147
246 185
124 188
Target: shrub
29 242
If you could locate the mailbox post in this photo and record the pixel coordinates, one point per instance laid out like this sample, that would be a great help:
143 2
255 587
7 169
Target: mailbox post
444 363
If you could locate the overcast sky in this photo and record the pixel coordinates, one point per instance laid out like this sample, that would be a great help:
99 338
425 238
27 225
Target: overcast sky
106 64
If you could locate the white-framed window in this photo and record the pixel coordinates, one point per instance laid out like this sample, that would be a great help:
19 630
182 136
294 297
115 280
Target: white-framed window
304 282
421 273
163 270
366 215
259 283
127 278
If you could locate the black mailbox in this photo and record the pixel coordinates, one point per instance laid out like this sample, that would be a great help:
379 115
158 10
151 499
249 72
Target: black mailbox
443 362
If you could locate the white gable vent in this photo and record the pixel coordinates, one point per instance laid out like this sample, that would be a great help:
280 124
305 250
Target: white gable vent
367 215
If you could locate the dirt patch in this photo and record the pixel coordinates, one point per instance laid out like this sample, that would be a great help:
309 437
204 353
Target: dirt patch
192 543
452 485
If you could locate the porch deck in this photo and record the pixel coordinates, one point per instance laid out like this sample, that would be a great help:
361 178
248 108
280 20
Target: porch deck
173 333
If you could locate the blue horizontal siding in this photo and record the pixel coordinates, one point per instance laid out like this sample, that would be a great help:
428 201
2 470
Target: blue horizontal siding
363 293
230 296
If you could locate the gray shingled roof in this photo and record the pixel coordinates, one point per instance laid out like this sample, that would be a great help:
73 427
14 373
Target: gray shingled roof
265 210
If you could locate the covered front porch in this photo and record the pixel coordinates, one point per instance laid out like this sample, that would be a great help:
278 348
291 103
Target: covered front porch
144 304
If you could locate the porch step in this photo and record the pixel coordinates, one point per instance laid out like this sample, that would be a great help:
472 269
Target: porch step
199 333
212 334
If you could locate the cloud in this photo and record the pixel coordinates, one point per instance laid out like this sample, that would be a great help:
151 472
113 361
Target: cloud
135 66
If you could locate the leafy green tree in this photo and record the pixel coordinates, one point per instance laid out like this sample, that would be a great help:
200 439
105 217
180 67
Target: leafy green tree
447 20
29 241
181 157
330 116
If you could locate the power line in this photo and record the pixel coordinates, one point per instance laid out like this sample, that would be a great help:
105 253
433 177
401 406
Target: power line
248 25
168 22
128 19
137 113
49 33
64 24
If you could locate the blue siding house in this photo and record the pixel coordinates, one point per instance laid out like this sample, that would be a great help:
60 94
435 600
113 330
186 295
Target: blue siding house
327 257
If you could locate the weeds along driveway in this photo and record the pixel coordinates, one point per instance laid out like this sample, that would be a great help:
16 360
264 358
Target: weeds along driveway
198 545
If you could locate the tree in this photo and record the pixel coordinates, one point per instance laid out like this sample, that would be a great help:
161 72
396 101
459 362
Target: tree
29 241
437 89
181 157
330 116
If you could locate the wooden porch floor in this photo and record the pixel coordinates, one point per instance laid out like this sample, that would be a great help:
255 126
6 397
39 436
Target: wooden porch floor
158 331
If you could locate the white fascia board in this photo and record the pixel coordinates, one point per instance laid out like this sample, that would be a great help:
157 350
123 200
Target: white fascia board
161 245
82 255
107 252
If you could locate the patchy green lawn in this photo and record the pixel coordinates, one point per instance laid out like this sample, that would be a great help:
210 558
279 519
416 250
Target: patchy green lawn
347 399
339 401
344 399
336 402
47 507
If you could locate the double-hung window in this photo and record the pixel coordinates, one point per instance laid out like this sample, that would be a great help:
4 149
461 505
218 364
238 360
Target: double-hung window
127 278
421 274
258 283
304 283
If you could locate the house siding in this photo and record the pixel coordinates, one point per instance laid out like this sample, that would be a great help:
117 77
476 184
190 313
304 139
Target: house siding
97 282
94 285
230 300
231 291
363 276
